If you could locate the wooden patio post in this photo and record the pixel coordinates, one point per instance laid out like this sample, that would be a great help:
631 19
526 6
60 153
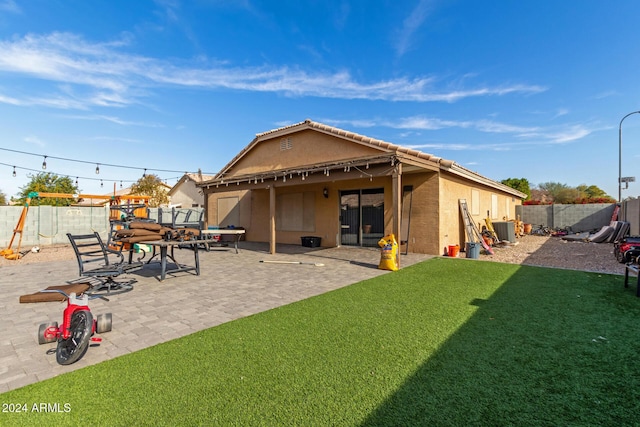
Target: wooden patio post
272 219
396 194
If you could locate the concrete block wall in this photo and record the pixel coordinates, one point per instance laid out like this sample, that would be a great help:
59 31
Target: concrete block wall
630 212
49 225
587 217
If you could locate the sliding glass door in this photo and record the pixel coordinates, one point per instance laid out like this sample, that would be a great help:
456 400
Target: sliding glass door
361 217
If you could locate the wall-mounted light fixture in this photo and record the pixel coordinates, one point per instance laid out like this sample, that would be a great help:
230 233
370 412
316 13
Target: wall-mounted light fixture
325 192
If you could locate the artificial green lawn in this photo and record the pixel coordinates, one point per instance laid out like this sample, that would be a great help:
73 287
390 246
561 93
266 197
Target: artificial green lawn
444 342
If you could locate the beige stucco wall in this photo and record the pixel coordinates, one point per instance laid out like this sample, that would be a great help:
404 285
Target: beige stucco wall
425 208
307 147
187 194
452 189
244 201
435 214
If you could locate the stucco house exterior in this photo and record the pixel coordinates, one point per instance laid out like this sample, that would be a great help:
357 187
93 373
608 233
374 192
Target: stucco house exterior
186 193
310 179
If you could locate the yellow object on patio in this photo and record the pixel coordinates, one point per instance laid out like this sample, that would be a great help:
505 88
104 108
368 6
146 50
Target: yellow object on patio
389 253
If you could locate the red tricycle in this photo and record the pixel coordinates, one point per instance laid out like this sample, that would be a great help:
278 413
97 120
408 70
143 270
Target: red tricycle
77 329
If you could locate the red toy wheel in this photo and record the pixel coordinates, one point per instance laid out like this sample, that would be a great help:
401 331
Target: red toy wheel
72 349
44 333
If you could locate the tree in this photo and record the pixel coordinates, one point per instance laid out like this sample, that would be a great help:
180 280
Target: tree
3 199
552 189
151 185
566 195
555 192
592 191
520 184
47 182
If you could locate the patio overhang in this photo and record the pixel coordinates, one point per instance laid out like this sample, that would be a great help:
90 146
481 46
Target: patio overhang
367 167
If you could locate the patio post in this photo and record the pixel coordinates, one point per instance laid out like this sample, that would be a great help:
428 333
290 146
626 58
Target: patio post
396 194
272 219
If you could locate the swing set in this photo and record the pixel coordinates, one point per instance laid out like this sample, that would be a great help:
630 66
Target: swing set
114 201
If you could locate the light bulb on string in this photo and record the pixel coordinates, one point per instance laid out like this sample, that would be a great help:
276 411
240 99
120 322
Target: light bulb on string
97 168
101 184
144 175
120 184
76 180
44 163
14 171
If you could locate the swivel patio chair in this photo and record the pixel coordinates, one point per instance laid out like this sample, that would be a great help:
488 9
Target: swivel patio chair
91 251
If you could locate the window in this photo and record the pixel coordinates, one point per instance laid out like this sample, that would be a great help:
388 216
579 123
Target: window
494 206
296 212
475 202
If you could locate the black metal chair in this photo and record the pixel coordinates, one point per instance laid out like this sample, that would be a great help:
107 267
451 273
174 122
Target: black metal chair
91 251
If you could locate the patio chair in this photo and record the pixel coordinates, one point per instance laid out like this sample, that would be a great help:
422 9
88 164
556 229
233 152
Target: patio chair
91 251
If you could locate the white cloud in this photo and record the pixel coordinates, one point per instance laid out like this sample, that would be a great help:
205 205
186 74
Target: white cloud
113 119
521 136
85 74
34 140
411 24
9 6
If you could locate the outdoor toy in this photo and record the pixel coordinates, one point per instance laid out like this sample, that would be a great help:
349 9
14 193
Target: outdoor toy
389 253
627 249
77 329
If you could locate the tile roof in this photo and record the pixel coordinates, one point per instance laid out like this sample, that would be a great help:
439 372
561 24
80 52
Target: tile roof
387 147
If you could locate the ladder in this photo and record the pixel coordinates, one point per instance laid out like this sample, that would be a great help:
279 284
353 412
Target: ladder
473 233
469 226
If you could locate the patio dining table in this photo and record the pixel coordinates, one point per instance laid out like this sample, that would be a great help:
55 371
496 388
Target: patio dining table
164 246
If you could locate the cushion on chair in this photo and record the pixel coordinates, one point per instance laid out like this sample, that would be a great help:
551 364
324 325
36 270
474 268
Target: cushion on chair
145 225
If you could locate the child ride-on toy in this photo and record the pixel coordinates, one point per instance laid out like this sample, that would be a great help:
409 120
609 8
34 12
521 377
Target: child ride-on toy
627 249
77 329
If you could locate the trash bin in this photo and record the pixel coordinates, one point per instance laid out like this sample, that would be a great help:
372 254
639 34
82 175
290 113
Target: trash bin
311 241
472 250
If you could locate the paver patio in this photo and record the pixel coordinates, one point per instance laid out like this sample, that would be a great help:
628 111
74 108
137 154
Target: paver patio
230 286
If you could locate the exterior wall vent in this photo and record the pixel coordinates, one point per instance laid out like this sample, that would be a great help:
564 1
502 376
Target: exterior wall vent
286 144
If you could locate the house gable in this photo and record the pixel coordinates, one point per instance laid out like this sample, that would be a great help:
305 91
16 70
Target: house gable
299 149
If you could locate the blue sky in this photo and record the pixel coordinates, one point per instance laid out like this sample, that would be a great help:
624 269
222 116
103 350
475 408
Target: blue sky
509 89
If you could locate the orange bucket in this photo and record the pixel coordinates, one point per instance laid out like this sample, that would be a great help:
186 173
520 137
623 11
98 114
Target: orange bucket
453 250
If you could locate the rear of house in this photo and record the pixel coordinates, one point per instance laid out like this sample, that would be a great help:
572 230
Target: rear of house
310 179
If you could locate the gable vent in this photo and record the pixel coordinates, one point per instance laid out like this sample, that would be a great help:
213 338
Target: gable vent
286 144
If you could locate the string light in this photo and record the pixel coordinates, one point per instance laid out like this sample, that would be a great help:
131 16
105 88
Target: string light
76 180
144 175
44 163
101 184
95 163
88 178
97 168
